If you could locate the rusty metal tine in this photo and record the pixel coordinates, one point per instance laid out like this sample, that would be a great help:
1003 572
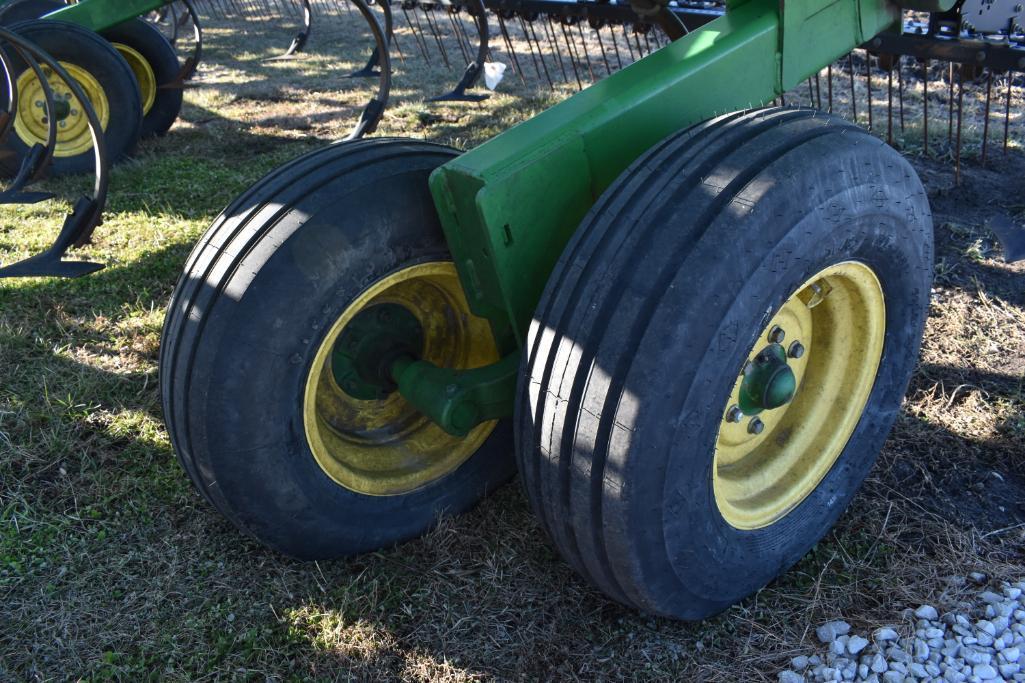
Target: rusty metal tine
960 104
583 45
615 47
950 104
868 84
604 56
854 104
900 90
418 39
570 51
629 47
437 38
985 122
925 106
1007 108
829 87
512 52
550 34
540 54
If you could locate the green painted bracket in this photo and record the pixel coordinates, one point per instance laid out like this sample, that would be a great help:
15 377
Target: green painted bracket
99 15
509 207
459 400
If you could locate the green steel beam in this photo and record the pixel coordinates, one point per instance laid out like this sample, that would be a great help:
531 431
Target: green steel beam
99 15
509 206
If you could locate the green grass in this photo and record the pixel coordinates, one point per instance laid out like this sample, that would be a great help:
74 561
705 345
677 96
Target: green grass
113 568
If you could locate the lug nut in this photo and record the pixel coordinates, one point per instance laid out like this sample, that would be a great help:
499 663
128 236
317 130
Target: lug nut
755 426
796 350
777 335
734 414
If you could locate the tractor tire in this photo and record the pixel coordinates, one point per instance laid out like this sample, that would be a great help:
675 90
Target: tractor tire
107 81
156 66
253 408
24 10
720 354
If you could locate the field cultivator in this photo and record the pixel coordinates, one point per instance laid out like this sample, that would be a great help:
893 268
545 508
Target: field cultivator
682 309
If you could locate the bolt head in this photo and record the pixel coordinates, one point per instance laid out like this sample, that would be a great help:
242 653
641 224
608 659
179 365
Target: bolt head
796 349
755 426
777 335
734 414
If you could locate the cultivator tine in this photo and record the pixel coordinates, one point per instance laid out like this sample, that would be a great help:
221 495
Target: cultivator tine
900 91
508 46
583 45
960 106
854 97
889 105
925 106
1007 109
417 35
570 52
868 86
950 104
601 46
985 115
535 44
818 91
455 31
829 88
437 37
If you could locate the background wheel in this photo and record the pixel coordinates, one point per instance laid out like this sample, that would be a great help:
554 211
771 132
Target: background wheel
154 63
251 399
24 10
756 230
108 83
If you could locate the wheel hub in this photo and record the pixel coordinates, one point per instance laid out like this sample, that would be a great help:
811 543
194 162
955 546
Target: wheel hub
32 123
369 346
799 395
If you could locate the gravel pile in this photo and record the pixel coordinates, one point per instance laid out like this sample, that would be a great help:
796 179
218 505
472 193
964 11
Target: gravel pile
953 647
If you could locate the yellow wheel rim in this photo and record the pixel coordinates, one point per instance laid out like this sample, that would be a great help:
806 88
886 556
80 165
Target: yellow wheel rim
838 317
386 447
73 136
144 75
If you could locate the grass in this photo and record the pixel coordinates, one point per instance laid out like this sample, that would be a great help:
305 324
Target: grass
113 568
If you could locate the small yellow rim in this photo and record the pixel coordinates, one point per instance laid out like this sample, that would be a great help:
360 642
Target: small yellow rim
839 316
73 135
387 447
144 74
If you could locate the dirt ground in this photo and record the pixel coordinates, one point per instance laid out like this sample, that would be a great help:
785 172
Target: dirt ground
112 567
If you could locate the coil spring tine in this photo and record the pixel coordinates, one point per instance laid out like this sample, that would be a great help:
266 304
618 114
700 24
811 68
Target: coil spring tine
458 36
418 39
512 53
570 51
540 54
437 38
868 85
615 47
960 102
583 47
549 30
950 104
829 87
604 56
889 105
900 90
925 106
854 104
985 122
1007 109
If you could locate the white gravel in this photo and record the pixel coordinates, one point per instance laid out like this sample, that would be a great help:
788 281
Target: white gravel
985 644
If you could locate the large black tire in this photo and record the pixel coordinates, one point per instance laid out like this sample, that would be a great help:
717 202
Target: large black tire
160 113
648 319
257 298
24 10
85 50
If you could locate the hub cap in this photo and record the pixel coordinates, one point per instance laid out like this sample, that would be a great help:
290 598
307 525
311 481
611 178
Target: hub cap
73 135
799 396
372 441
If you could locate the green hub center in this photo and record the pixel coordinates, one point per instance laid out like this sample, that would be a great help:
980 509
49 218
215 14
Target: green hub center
369 346
768 381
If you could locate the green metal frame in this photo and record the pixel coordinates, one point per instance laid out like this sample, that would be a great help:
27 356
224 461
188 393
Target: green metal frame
99 15
509 207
